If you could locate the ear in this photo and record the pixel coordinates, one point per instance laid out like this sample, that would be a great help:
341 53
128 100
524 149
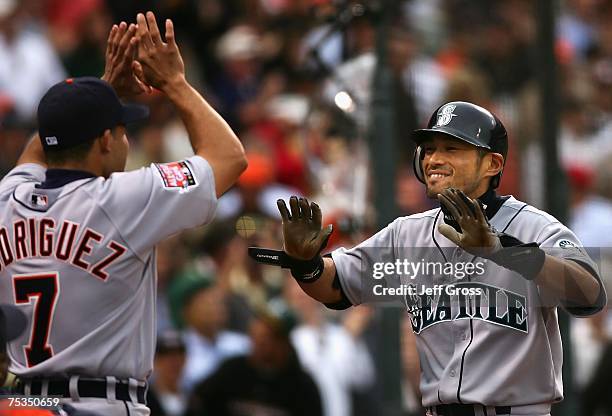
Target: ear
106 141
496 164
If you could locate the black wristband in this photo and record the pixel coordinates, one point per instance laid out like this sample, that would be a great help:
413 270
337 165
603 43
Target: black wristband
525 259
307 271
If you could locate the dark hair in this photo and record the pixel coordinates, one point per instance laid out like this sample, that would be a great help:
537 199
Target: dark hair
61 156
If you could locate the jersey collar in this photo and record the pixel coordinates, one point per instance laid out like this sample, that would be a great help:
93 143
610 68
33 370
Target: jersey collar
56 178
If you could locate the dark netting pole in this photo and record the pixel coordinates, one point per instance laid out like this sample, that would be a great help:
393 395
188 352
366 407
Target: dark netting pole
554 179
383 161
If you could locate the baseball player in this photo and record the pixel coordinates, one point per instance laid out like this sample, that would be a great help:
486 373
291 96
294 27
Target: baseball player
77 239
487 335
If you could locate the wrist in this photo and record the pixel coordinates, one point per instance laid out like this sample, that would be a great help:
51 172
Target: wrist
307 271
176 86
513 254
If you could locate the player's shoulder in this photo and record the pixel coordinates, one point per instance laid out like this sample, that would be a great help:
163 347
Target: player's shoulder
526 222
26 172
523 211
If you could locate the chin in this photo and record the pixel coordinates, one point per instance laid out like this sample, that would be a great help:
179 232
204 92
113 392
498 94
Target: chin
433 191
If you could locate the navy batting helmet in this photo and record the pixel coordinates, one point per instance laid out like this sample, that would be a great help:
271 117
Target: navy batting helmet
467 122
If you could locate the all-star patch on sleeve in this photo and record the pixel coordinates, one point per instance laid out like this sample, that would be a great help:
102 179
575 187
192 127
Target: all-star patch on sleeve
150 204
176 175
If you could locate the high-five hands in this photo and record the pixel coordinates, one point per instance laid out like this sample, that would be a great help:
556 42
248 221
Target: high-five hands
121 49
303 236
476 236
304 239
157 63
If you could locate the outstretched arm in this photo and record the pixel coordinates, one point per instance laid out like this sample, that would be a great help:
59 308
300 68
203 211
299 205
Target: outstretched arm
160 64
304 239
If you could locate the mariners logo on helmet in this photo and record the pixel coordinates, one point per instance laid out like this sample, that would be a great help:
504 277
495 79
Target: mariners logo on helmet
445 115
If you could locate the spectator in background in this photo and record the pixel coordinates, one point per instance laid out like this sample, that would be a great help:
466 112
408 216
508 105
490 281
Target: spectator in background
268 381
78 29
335 355
29 65
165 397
13 137
225 254
197 306
243 88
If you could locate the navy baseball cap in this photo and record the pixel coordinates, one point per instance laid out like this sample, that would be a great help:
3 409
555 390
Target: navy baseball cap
80 109
12 323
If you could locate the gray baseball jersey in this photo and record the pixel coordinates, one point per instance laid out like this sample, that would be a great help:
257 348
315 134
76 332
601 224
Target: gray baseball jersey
79 260
498 345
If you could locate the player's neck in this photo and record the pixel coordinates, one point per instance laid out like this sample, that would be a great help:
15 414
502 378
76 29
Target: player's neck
84 166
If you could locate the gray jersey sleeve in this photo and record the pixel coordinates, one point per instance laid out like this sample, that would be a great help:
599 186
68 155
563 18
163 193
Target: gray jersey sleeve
353 265
27 172
150 204
559 241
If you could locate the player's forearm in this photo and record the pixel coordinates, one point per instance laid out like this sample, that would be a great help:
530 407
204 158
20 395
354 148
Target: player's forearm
322 290
568 281
210 136
33 152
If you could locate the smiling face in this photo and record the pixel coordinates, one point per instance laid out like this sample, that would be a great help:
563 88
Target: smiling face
449 162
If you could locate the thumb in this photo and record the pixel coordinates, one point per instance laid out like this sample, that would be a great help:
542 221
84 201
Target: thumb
323 236
450 233
140 76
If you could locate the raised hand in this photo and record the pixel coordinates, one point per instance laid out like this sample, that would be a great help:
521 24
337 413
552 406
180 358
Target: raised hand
121 48
158 63
476 236
302 232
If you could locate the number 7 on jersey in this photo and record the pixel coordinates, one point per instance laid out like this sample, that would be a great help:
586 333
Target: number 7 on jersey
44 288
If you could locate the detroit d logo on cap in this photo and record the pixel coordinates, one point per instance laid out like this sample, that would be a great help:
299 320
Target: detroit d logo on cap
445 115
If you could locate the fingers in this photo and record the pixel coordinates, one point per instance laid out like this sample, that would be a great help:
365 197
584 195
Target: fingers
144 37
305 208
170 33
448 203
460 200
121 29
132 44
300 208
282 208
450 233
138 72
316 214
295 209
153 29
466 203
110 42
125 42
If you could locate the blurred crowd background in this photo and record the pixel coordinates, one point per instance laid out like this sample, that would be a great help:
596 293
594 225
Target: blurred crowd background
293 78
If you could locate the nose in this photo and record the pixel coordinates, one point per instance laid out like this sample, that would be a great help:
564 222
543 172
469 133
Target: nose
433 158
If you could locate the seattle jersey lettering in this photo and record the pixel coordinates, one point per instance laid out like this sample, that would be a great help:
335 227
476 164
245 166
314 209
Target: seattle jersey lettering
42 237
495 305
